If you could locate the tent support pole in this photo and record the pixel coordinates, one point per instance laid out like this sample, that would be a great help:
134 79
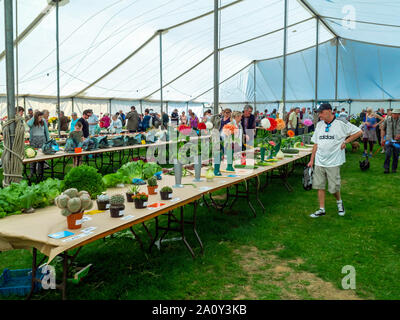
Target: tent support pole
72 103
9 46
141 106
255 98
316 61
161 73
216 58
337 68
58 67
109 107
284 59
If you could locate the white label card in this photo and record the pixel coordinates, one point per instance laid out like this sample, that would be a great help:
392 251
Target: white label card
204 188
84 219
81 235
169 195
86 230
155 190
128 217
107 206
78 222
144 204
175 199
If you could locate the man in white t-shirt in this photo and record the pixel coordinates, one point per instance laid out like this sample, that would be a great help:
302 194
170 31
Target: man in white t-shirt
330 138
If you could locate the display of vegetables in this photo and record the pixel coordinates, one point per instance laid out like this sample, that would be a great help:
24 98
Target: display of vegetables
84 178
132 170
71 201
17 197
290 151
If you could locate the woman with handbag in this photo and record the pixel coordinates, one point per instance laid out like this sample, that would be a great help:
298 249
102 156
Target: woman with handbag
39 135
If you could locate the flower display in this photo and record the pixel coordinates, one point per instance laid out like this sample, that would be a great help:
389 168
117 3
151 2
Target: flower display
229 129
202 126
272 143
291 133
307 122
265 123
53 120
209 125
280 124
184 129
273 124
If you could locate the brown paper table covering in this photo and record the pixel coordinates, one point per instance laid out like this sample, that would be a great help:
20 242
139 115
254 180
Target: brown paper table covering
31 230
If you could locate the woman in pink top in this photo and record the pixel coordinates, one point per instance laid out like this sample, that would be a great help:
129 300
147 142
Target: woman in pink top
105 121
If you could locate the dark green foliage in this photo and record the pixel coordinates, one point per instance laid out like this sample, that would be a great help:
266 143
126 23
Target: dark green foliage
84 178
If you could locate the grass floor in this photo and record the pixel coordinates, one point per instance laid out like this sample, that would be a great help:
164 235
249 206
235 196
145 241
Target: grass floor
283 254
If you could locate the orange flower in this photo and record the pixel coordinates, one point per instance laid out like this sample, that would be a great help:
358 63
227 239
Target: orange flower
280 124
290 133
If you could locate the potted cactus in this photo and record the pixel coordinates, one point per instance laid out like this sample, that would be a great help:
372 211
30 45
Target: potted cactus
116 205
132 191
102 201
73 204
166 193
140 200
152 185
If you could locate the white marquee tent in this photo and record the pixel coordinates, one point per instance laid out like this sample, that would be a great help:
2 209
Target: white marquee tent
110 54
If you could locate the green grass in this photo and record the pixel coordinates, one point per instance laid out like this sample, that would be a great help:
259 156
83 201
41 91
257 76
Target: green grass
366 238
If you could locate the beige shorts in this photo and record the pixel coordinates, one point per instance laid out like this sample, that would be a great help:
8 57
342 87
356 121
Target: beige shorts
322 174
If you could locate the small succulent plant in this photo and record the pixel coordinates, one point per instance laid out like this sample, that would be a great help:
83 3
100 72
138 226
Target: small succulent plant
104 197
71 201
117 200
152 182
166 189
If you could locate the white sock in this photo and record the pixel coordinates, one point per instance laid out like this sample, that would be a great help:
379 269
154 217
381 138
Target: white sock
339 201
322 209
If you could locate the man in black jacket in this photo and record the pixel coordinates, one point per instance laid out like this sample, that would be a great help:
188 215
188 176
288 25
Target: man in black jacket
248 124
85 125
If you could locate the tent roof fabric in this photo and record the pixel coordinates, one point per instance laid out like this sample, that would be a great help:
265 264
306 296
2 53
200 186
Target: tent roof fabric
111 48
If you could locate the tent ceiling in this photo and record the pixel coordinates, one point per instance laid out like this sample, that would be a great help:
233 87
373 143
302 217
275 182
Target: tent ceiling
95 36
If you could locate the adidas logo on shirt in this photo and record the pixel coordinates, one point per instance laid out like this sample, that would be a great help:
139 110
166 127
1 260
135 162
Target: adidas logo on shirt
327 137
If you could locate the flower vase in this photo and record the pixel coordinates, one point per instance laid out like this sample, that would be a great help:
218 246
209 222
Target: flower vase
217 165
229 159
178 175
197 170
262 154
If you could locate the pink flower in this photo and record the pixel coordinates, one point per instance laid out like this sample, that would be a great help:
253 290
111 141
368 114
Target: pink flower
272 143
307 122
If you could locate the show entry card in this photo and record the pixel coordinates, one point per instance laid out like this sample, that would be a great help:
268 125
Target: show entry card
175 199
60 235
155 205
127 217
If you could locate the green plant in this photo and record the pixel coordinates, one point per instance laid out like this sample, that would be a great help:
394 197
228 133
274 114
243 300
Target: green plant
166 189
85 178
71 201
134 189
152 182
117 200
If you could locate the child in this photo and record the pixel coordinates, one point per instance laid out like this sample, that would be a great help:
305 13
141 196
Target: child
77 136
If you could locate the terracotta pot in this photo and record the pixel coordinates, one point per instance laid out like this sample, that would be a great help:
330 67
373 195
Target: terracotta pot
129 197
152 189
102 205
115 211
74 220
166 195
140 204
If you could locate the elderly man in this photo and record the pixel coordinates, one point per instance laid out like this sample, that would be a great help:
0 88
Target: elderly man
330 138
63 121
293 122
46 115
249 124
133 120
93 121
390 134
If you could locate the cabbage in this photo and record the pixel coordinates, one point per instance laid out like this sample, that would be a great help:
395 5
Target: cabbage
30 152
